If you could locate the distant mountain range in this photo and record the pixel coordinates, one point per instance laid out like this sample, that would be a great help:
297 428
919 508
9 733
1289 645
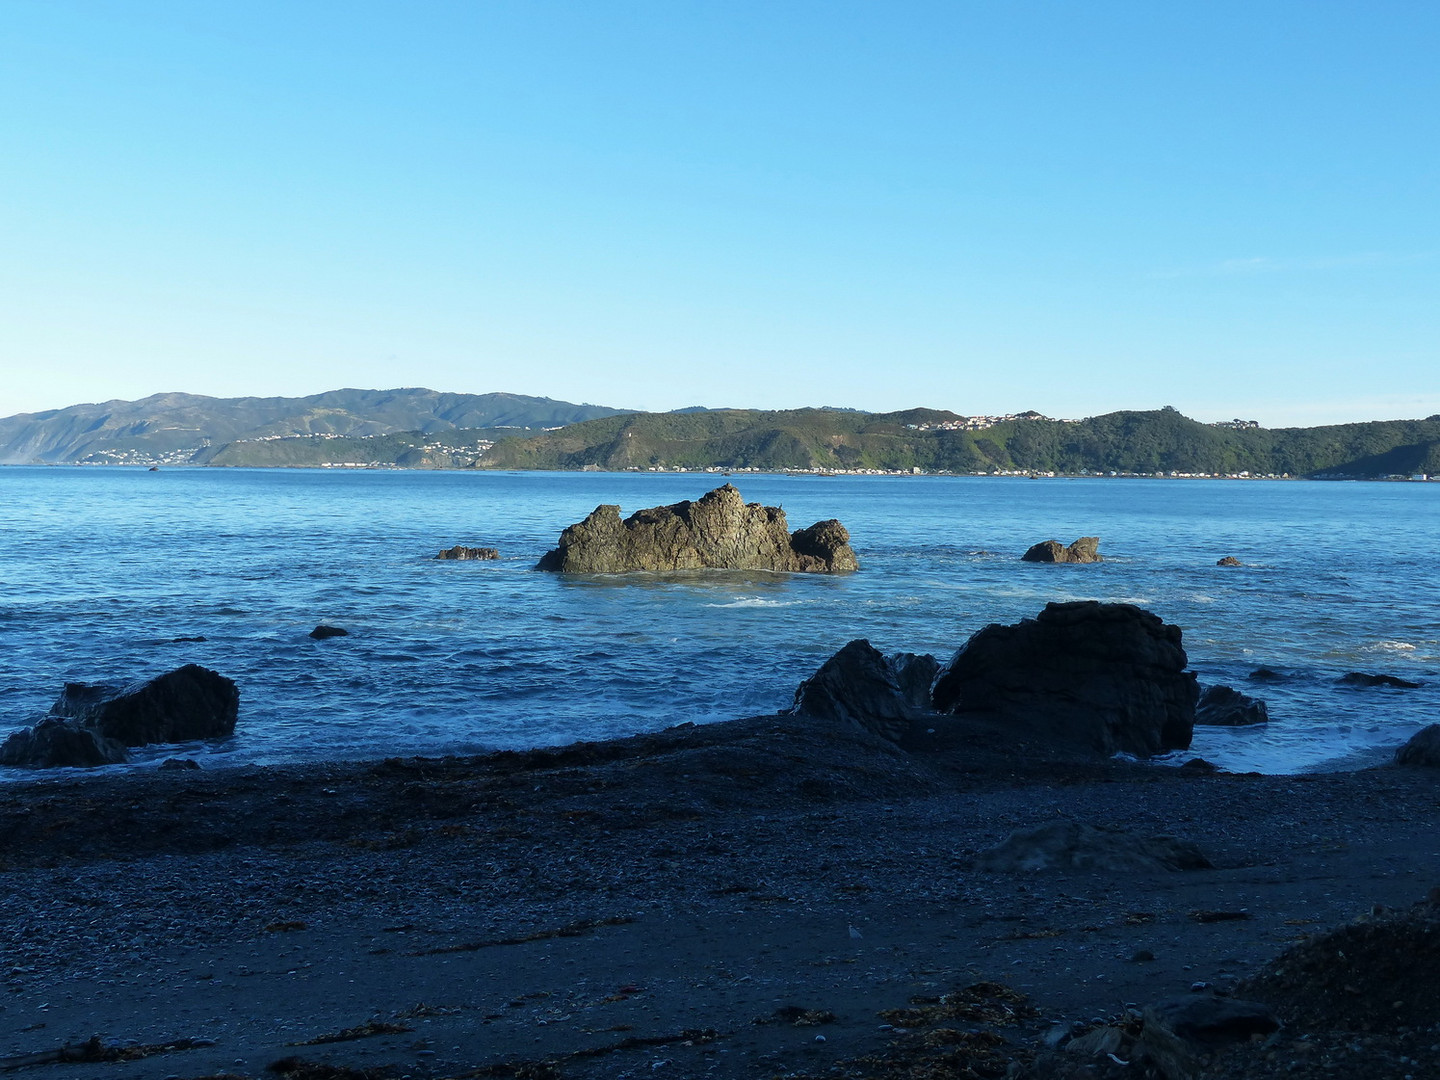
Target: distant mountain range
191 429
420 428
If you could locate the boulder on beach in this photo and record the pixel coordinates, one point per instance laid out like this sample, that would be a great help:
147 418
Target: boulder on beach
1224 706
860 686
1105 678
60 742
1422 748
191 702
718 531
1075 845
1084 550
459 551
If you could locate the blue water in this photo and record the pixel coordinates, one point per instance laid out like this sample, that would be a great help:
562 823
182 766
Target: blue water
101 569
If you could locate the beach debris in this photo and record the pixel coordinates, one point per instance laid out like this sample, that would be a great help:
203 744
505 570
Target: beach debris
367 1030
460 552
1380 972
574 929
718 531
1073 845
1084 550
1207 916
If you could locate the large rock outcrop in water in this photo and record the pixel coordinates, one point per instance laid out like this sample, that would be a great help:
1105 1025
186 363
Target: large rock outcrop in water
1084 550
718 531
1106 677
92 723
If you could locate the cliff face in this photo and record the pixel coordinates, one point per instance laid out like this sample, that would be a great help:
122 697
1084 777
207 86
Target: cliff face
717 531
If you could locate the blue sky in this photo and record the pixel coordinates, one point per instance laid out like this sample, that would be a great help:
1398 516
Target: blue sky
1232 208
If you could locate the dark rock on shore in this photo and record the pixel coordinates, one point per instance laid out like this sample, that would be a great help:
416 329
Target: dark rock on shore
1103 677
1224 706
92 723
459 551
1206 1018
1084 550
859 686
1073 845
1423 748
321 632
58 742
717 531
1361 678
191 702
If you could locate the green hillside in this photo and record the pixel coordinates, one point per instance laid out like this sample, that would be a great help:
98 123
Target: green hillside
1149 442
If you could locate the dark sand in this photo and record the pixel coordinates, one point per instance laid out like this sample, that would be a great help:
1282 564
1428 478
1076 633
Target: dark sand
668 906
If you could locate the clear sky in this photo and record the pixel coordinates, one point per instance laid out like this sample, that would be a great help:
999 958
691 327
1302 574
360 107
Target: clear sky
1232 208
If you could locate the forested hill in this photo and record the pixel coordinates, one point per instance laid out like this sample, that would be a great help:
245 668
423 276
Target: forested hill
1122 442
192 429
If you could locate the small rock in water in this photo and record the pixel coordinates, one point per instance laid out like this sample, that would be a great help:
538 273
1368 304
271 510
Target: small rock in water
321 632
1228 560
1361 678
459 551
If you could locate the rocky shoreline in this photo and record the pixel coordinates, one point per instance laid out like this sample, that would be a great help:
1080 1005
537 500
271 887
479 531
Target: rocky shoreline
774 896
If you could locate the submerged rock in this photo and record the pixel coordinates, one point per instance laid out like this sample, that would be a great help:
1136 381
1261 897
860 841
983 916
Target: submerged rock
1224 706
1361 678
459 551
1103 677
717 531
59 742
1422 748
191 702
859 686
1084 550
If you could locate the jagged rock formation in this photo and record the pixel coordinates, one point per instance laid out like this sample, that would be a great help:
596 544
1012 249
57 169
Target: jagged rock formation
1104 677
860 686
717 531
56 742
92 723
1224 706
459 551
1084 550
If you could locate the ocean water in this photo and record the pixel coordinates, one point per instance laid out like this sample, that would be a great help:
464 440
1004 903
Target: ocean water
103 569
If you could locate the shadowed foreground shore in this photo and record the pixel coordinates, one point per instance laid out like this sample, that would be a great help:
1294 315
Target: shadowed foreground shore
766 897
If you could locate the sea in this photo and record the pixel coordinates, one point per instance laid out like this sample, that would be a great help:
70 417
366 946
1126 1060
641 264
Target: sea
112 574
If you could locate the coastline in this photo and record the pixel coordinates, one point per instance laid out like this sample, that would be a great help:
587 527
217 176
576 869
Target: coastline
606 907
